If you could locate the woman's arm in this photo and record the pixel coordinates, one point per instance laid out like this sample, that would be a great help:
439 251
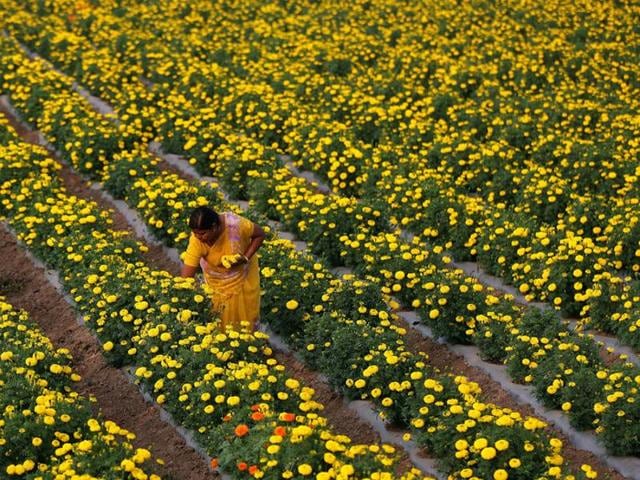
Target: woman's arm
188 271
257 237
192 255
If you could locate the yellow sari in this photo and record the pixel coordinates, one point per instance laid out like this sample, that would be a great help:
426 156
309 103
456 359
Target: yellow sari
236 290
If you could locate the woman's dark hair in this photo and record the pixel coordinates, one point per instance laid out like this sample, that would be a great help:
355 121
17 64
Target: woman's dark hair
203 218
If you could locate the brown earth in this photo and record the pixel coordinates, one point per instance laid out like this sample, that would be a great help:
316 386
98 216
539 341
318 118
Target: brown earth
25 286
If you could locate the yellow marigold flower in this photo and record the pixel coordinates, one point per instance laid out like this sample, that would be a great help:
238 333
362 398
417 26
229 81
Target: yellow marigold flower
292 304
417 422
347 470
461 444
480 443
141 305
488 453
555 443
502 445
334 446
85 445
500 474
273 449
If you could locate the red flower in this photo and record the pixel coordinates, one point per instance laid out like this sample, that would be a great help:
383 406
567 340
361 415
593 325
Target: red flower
257 416
241 430
288 417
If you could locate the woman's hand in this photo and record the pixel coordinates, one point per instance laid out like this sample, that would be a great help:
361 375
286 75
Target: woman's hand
188 271
230 261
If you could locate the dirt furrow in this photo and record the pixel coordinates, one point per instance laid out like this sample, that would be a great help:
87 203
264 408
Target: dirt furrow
26 286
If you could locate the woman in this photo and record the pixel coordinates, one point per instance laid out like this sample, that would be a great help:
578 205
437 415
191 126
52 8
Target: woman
224 246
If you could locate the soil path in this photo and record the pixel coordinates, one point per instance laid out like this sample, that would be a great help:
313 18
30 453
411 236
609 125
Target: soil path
25 286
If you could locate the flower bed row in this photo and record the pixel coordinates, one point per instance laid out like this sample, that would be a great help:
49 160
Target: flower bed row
464 389
626 326
515 245
46 428
583 417
227 388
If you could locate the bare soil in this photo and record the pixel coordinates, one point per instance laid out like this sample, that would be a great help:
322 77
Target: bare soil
25 286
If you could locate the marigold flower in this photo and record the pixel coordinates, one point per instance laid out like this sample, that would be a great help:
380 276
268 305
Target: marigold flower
257 416
500 474
241 430
488 453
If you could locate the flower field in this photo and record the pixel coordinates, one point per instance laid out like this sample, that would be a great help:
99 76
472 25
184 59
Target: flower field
503 133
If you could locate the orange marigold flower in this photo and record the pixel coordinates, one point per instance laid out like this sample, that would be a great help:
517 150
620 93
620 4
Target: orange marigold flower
288 417
255 408
241 430
214 463
253 469
281 431
257 416
242 466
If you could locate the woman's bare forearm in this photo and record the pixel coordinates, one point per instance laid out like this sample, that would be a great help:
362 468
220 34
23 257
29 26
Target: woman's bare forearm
256 240
188 271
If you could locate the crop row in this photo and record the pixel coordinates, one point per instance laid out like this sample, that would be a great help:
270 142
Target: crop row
450 303
460 393
227 388
47 430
